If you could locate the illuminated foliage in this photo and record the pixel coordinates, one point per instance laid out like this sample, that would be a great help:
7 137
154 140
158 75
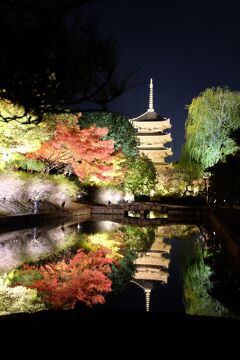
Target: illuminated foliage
170 181
138 239
11 111
83 278
197 286
18 190
120 130
140 176
77 151
122 271
20 135
18 299
112 240
58 145
211 118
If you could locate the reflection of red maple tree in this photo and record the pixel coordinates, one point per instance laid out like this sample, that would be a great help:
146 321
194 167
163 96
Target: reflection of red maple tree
81 151
83 278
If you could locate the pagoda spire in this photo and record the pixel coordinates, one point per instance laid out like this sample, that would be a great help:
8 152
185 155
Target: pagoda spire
147 293
151 96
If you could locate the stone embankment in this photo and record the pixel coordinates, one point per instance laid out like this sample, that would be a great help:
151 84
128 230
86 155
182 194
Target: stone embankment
23 220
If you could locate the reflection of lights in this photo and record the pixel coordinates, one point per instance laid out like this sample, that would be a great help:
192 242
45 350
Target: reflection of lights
128 197
79 226
107 225
157 215
34 235
134 214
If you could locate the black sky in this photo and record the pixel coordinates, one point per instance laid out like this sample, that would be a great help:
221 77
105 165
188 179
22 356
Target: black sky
185 46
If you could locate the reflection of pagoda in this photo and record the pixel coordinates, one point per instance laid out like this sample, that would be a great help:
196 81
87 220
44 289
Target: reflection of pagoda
152 266
152 133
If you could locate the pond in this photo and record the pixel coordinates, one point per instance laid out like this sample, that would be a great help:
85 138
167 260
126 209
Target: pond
103 265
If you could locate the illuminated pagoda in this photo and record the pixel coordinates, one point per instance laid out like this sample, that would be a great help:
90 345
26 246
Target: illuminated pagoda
153 133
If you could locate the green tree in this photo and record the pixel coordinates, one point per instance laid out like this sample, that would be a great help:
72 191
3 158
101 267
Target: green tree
139 239
140 176
120 130
122 271
197 286
211 118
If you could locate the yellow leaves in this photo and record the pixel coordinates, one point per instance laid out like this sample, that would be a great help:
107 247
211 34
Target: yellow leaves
108 240
11 111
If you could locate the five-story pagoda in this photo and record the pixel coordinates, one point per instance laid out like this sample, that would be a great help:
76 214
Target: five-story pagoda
153 133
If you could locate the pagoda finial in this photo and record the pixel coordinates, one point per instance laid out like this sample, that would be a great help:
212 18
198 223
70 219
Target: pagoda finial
147 293
151 96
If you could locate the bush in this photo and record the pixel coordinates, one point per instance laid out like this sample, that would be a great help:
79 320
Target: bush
19 190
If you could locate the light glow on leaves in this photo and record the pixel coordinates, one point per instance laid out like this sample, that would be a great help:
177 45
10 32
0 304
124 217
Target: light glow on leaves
81 152
83 278
18 299
211 118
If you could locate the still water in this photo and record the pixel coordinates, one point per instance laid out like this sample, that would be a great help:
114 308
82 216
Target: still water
106 265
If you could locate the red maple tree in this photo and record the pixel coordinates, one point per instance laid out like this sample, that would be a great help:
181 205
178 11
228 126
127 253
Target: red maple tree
83 278
79 151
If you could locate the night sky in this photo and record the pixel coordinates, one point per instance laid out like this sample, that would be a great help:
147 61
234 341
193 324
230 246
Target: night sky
185 46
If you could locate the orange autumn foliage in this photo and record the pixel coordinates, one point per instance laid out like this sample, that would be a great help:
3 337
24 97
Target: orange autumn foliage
80 150
83 279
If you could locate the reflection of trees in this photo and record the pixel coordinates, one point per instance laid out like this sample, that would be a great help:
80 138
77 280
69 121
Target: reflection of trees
61 285
181 232
28 245
113 241
138 239
122 271
198 277
18 299
121 253
197 286
62 272
224 278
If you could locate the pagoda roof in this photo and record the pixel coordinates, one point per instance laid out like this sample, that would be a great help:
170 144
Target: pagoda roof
149 115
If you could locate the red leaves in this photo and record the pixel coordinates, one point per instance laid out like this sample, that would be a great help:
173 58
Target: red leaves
82 279
84 150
